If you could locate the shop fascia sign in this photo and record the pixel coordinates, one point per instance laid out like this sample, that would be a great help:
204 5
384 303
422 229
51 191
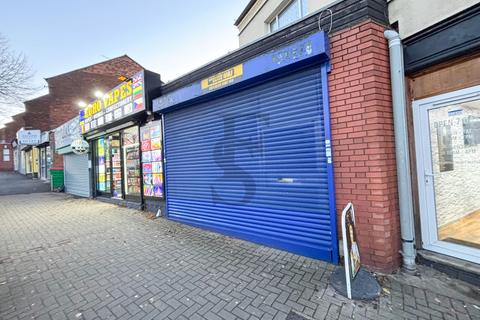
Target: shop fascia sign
314 46
66 133
28 137
44 137
124 100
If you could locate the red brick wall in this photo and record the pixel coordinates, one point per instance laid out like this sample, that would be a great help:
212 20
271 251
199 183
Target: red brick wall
36 113
6 165
57 159
50 111
363 141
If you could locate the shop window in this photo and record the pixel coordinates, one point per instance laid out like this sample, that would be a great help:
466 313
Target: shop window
116 158
6 155
117 164
295 10
131 161
152 159
102 165
49 160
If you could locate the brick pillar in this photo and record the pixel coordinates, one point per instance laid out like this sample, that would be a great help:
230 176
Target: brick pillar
57 159
363 141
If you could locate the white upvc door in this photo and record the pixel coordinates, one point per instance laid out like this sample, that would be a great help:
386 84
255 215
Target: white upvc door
447 143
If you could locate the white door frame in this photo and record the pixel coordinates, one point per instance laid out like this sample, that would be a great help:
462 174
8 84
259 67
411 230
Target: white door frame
429 230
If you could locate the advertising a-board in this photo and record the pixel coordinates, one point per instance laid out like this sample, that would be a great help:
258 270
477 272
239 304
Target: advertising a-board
350 247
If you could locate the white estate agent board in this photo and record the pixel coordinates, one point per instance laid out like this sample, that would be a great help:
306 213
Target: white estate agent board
28 137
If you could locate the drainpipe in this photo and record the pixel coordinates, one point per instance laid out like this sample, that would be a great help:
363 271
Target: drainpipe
399 100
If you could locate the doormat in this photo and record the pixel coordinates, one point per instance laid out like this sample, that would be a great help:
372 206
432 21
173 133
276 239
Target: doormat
463 242
295 316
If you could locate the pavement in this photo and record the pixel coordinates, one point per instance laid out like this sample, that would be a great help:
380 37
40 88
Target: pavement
67 258
16 183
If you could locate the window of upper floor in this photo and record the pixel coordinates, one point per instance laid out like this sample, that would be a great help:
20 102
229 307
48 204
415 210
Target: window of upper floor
6 155
292 11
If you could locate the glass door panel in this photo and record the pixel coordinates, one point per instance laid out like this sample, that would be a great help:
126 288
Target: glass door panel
48 161
102 165
455 154
447 142
116 164
131 161
43 165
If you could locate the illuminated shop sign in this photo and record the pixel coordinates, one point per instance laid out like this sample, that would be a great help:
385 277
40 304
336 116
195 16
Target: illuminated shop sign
126 99
66 133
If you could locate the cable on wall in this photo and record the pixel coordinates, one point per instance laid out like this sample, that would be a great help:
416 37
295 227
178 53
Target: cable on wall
325 14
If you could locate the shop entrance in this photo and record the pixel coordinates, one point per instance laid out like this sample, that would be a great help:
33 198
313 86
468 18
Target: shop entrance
447 137
117 165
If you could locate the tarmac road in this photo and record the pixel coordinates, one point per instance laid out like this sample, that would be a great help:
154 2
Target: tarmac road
14 183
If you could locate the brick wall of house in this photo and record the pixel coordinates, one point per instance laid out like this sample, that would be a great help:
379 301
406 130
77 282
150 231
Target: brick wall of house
66 90
11 128
36 113
363 141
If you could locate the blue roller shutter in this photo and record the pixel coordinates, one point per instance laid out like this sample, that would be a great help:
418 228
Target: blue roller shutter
252 164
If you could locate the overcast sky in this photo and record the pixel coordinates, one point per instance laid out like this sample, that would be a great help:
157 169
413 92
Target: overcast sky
168 37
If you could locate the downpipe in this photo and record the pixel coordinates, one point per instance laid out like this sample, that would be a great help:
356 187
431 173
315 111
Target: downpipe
399 100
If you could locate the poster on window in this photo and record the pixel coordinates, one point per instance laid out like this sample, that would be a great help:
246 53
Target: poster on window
155 143
152 157
156 155
146 145
146 156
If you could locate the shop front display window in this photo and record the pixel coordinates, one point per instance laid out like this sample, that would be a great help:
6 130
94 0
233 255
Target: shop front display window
49 160
43 163
102 166
152 159
131 161
28 161
117 164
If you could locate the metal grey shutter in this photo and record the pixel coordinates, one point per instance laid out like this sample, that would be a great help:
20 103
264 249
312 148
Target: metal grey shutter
252 164
77 180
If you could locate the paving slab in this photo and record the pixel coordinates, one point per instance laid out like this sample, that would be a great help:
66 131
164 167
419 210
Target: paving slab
68 258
